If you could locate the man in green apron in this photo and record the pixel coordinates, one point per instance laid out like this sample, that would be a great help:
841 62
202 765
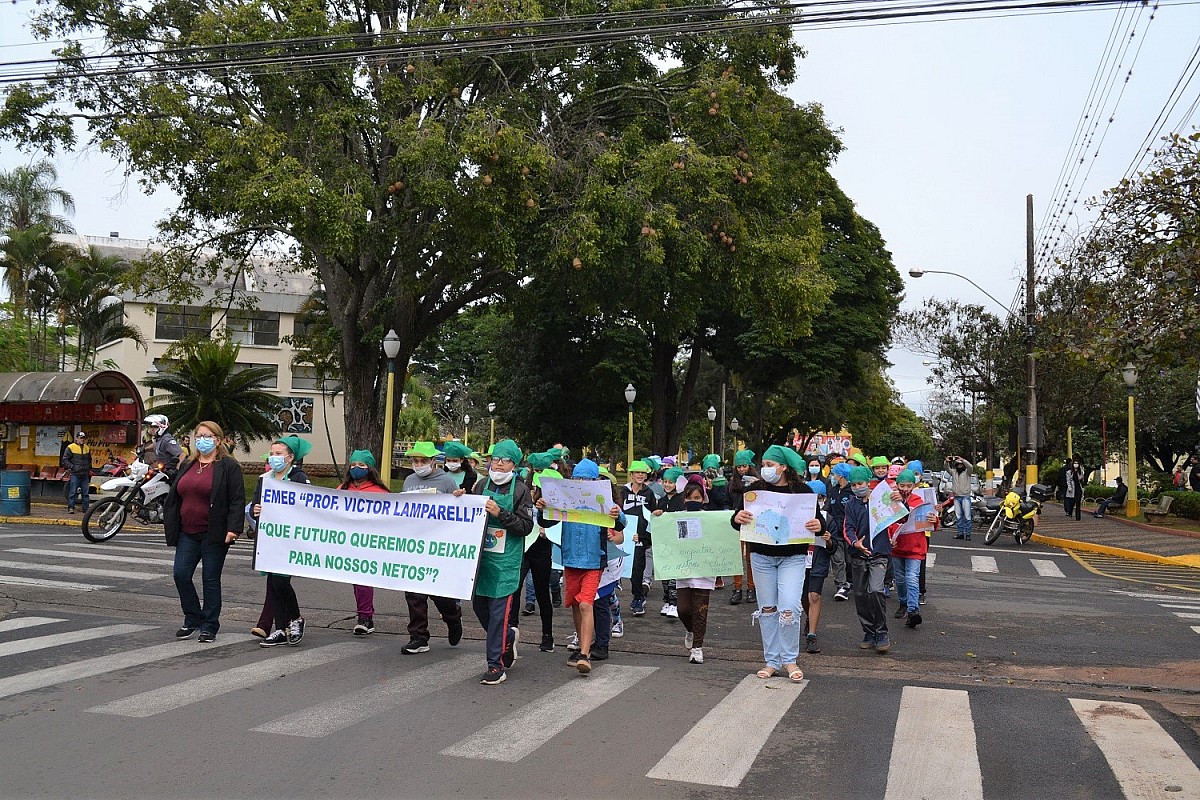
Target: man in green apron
510 520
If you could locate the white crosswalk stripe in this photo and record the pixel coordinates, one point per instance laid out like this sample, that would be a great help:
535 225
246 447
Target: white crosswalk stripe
984 564
1143 757
26 622
83 572
1196 628
1046 568
71 637
36 551
1184 615
722 747
934 746
101 665
147 549
207 687
350 709
46 583
930 559
1179 605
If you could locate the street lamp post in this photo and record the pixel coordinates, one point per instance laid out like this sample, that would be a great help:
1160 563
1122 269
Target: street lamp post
152 372
712 418
492 420
466 428
391 349
733 426
917 272
630 396
1132 507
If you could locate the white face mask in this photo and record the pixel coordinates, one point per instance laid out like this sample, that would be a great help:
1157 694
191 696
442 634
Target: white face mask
499 478
770 474
423 471
454 466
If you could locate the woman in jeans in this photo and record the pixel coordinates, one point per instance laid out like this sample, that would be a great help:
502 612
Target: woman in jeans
779 569
203 517
281 597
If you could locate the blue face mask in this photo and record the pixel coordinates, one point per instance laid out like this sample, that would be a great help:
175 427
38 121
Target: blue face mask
358 473
205 444
278 463
814 469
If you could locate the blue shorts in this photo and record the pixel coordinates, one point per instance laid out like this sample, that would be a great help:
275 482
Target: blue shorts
814 579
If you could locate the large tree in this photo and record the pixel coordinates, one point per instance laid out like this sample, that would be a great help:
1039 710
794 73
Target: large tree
415 187
30 197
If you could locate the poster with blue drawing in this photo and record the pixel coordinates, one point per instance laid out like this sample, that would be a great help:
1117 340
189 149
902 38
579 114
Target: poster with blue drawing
779 518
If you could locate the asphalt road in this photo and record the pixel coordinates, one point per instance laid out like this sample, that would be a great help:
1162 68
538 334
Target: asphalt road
1032 677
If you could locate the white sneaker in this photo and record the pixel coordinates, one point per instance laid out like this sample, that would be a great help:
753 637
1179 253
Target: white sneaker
687 640
673 611
666 610
697 656
618 629
573 642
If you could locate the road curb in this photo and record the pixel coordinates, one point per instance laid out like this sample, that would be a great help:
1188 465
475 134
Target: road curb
63 523
1154 528
1103 549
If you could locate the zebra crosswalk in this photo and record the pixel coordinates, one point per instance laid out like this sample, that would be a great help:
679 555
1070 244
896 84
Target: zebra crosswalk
721 737
1185 607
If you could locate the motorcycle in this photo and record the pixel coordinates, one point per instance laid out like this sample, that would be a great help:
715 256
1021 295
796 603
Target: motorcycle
985 510
1018 516
142 493
114 467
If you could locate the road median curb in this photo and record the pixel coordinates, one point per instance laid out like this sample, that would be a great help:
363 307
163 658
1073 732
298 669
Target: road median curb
63 523
1103 549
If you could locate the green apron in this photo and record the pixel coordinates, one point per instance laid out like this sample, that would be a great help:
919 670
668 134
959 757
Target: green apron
458 477
500 560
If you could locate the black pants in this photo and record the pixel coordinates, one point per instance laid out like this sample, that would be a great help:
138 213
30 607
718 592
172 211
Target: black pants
639 571
1073 504
282 599
418 612
538 560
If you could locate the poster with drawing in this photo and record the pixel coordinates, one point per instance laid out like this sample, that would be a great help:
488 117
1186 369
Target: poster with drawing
578 501
779 518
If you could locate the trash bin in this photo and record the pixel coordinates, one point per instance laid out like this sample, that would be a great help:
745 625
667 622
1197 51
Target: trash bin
14 493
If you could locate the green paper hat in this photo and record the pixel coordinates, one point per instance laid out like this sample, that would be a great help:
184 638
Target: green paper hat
880 461
540 461
299 447
906 476
546 473
506 448
861 474
425 449
639 466
785 455
362 457
606 474
859 458
743 458
456 450
673 474
711 461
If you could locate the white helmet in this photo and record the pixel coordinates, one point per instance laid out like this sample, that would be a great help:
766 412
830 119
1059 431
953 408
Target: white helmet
157 421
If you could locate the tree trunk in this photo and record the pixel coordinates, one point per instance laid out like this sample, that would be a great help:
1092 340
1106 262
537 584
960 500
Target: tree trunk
662 396
679 423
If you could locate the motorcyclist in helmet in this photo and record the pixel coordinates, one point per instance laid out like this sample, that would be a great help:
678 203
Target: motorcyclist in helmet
162 448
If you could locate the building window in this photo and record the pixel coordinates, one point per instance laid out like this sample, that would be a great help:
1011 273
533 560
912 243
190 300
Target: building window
272 380
181 322
304 376
253 327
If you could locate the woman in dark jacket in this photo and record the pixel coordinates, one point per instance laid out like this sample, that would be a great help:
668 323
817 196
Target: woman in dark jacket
203 518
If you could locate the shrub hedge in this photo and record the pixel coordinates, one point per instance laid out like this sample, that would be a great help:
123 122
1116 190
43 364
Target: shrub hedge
1185 504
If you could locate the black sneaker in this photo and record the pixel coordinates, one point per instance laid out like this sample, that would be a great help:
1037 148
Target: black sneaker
528 609
295 631
752 597
184 633
206 637
583 664
365 626
547 645
900 612
914 619
810 644
556 598
493 676
415 646
510 653
735 597
275 639
599 653
454 634
572 658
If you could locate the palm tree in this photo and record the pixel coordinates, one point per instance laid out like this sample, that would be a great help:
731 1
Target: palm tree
206 383
85 297
30 265
28 197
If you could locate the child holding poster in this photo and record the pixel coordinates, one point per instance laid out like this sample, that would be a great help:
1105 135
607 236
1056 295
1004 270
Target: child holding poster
694 593
509 521
362 476
868 564
909 546
584 557
779 568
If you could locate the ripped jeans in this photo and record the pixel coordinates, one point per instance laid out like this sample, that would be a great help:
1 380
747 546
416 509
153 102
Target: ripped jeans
779 581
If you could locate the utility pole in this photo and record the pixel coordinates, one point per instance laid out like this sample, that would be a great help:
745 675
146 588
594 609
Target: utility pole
1031 439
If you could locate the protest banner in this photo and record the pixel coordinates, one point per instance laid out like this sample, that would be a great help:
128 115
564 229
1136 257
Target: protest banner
778 519
419 542
578 501
695 544
885 513
921 518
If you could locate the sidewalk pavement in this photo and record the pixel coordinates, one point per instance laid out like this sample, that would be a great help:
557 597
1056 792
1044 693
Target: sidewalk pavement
1117 536
44 513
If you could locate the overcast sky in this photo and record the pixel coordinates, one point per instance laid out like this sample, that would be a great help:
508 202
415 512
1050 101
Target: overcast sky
947 127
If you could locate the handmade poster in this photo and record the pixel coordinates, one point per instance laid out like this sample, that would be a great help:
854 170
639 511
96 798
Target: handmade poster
921 518
884 514
778 518
428 543
695 544
577 501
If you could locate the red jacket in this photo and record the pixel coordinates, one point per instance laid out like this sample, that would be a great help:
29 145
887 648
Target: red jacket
910 545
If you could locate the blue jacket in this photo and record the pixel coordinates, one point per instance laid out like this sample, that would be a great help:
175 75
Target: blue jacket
584 546
858 525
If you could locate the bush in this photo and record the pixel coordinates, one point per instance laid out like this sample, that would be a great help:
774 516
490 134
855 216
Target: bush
1049 471
1185 504
1098 491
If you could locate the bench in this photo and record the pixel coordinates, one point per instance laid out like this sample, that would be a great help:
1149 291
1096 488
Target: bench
1160 510
51 475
